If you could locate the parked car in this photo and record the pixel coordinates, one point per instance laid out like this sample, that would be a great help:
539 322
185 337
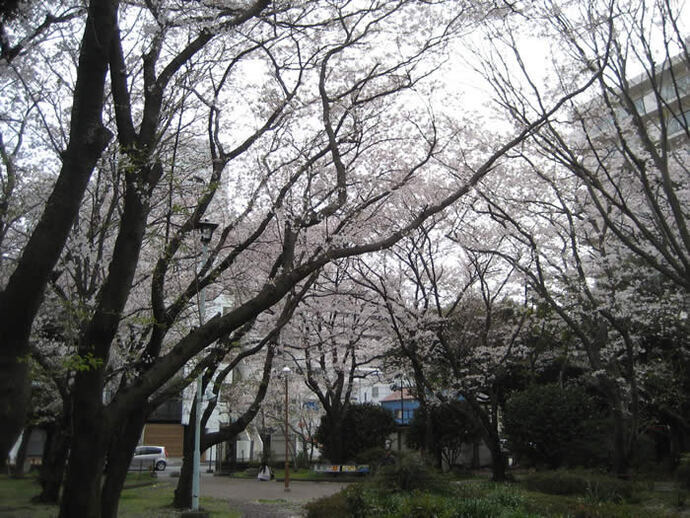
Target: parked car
147 457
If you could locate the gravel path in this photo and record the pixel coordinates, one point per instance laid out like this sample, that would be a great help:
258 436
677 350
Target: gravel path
257 499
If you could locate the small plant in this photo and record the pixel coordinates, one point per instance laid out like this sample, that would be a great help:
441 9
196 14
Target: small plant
410 473
506 497
556 483
423 506
334 506
595 488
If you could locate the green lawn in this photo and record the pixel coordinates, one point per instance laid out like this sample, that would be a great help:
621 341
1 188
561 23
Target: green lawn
151 501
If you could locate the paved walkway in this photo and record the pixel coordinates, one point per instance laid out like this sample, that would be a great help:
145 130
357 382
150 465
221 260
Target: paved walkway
265 499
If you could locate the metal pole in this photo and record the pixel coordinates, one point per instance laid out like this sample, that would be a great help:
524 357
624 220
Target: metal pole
197 420
402 412
286 371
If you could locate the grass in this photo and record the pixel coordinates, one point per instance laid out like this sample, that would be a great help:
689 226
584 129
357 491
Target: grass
307 474
303 474
151 501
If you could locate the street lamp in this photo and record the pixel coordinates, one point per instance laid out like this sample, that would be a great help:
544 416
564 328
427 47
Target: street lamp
206 229
286 372
399 377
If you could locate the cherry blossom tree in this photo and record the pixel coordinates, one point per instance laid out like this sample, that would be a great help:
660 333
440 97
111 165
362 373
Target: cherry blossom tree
246 401
22 291
455 326
334 340
310 126
610 178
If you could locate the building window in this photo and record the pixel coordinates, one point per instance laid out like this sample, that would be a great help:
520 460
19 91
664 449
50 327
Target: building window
678 122
374 392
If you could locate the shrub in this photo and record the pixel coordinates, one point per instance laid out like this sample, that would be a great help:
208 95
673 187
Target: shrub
551 424
472 500
423 505
371 456
450 429
363 426
334 506
595 488
410 473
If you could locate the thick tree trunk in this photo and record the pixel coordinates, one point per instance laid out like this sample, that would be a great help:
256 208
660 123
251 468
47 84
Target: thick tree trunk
438 458
119 458
475 455
22 296
19 462
620 451
52 471
183 491
14 391
336 442
82 493
489 432
620 454
499 463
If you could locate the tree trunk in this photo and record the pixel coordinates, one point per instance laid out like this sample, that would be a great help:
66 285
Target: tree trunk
438 458
183 491
23 293
489 432
475 455
620 453
119 458
499 463
82 494
336 448
52 471
266 448
14 394
18 471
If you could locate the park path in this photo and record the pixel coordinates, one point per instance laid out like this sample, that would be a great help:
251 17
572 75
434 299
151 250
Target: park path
256 499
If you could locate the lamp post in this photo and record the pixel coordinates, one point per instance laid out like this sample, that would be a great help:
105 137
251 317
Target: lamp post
286 372
206 229
399 376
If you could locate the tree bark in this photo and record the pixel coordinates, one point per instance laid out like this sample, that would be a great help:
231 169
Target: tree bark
82 492
18 471
54 461
22 296
119 458
499 463
475 455
620 429
489 432
183 491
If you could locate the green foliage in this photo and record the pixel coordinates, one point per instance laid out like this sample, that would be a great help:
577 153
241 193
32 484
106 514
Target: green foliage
363 501
483 499
410 473
450 429
334 506
82 363
364 426
595 488
372 456
553 425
